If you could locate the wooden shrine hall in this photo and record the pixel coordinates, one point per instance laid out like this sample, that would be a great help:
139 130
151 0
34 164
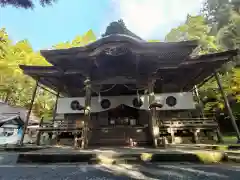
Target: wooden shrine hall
117 71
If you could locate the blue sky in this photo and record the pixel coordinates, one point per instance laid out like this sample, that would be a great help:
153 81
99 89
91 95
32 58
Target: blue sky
44 27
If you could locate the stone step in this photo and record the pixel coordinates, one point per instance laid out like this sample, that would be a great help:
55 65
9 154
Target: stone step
117 157
235 159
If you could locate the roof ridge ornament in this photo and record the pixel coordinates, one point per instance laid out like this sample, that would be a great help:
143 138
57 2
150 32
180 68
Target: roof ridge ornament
119 27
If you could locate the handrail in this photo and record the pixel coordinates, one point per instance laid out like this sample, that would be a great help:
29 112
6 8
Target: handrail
194 121
120 127
185 125
176 119
60 124
59 129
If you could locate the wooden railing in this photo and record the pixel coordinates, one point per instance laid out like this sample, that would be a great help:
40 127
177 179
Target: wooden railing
187 123
63 127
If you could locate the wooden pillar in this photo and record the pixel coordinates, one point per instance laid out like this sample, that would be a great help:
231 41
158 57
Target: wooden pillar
55 113
8 92
154 129
196 135
87 112
39 133
29 113
196 92
219 136
227 105
55 107
172 136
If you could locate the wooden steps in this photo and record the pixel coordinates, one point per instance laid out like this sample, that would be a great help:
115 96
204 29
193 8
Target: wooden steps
119 136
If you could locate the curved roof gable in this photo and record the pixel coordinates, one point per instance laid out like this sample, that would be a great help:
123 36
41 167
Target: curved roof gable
184 76
119 45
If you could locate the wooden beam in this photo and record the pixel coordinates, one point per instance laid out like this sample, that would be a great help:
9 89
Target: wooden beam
52 85
191 80
204 81
39 133
44 88
207 60
28 114
230 113
153 114
55 107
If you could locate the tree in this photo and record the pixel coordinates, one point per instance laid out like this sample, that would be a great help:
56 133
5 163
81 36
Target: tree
224 17
87 38
229 35
24 3
218 12
195 28
18 86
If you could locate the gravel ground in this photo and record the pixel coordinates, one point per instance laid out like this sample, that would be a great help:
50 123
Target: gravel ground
119 172
8 158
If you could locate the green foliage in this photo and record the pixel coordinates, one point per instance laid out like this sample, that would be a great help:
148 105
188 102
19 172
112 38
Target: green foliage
229 35
195 28
198 28
24 3
14 85
223 16
217 12
84 40
216 30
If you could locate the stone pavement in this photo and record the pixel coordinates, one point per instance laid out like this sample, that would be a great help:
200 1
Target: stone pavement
172 154
225 147
119 155
232 151
25 148
120 172
8 158
10 170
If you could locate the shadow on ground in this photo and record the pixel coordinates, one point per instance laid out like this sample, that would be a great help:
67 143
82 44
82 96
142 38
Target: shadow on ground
121 172
154 171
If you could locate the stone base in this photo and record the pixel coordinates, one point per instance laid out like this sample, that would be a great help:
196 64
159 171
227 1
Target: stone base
115 156
15 148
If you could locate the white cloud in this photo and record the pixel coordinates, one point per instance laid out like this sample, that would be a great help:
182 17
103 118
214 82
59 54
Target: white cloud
148 17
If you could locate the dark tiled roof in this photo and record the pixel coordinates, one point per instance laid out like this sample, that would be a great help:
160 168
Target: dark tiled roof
183 75
8 117
6 109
